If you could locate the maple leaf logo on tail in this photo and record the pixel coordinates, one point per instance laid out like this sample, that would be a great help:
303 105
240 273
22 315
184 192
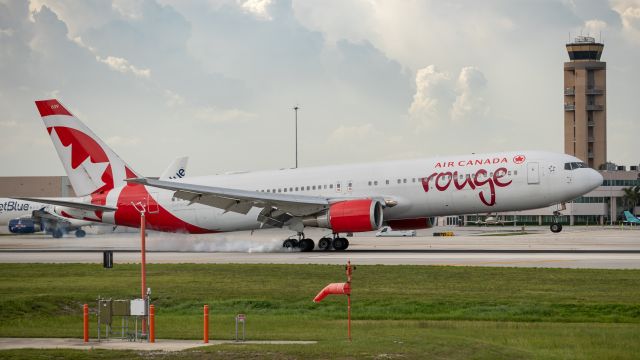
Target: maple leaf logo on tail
519 159
91 165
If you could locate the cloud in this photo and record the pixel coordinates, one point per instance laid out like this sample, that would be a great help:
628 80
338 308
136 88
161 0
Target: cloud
629 11
123 140
216 116
173 99
356 133
258 8
594 26
8 123
131 9
433 96
123 66
469 103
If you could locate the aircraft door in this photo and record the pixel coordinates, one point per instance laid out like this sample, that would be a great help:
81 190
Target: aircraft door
533 173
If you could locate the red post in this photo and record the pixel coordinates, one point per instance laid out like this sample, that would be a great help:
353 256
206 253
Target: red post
206 324
349 272
152 323
349 316
85 318
143 263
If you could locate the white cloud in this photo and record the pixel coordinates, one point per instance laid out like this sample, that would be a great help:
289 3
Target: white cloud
8 123
629 11
173 99
469 103
131 9
593 27
123 140
355 134
215 115
433 96
258 8
123 66
8 32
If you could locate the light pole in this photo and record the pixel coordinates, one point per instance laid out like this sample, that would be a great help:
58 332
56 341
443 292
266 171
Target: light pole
295 109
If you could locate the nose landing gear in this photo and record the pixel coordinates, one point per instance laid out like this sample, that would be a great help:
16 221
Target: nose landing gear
556 227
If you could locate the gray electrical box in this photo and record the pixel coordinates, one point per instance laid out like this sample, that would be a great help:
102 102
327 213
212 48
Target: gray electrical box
105 311
121 308
138 307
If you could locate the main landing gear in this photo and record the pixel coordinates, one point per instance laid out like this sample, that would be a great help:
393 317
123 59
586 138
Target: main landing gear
325 244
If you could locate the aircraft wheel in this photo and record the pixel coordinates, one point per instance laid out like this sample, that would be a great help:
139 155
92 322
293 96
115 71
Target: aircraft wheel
306 245
80 233
324 244
556 228
340 244
290 244
57 233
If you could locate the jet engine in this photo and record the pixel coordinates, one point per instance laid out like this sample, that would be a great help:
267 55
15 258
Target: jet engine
24 226
349 216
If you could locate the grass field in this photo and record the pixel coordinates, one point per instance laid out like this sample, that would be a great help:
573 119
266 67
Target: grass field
399 311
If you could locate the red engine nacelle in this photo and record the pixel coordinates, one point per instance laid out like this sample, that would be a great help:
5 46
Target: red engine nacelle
350 216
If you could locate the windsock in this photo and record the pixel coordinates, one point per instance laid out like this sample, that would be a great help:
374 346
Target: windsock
333 289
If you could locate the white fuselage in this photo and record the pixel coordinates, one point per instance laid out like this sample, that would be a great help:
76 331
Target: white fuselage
453 185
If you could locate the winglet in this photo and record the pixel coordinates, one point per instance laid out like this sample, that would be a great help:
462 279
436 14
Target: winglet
51 107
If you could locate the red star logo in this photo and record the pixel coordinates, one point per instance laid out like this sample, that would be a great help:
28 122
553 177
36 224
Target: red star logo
519 159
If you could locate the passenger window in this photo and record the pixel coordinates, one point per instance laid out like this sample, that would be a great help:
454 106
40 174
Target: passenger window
338 187
308 188
375 182
515 172
330 186
404 181
387 182
369 183
509 173
285 189
296 188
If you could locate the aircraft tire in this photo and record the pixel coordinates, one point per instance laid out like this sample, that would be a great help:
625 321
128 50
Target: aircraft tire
57 233
340 244
80 233
290 244
306 245
555 228
324 244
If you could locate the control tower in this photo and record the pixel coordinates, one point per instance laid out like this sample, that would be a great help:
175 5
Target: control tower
585 102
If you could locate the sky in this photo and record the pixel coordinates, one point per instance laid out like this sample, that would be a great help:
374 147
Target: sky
217 80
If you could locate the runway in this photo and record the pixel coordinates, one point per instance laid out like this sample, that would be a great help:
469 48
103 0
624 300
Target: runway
575 247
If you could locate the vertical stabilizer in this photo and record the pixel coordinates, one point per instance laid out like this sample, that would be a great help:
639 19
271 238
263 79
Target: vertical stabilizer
90 164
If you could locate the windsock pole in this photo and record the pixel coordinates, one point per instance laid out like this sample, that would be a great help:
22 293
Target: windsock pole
340 289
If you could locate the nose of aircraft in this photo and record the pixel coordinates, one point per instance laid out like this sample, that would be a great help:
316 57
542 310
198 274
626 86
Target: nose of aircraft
594 179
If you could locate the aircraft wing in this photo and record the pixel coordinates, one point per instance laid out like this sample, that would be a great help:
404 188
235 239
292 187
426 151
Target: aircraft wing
71 204
241 201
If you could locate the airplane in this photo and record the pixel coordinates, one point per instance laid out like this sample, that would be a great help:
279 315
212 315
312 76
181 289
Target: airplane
403 194
494 220
27 217
630 219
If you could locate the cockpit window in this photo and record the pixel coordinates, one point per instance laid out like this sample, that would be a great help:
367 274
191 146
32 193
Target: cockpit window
574 165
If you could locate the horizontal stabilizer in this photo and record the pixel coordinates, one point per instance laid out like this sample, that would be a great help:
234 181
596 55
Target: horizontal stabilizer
71 204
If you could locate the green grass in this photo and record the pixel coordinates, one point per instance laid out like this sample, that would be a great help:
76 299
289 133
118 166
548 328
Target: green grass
409 311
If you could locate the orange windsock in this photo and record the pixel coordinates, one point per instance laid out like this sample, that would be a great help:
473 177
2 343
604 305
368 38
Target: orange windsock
333 289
